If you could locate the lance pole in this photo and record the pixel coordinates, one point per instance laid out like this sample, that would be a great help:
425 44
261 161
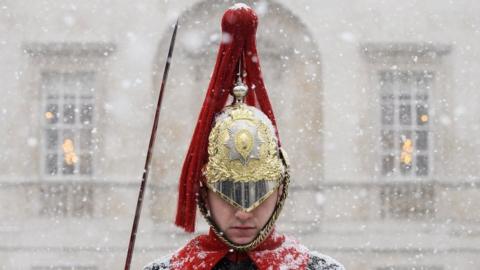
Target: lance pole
138 210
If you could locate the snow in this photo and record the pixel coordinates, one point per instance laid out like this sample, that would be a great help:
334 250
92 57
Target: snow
320 62
240 6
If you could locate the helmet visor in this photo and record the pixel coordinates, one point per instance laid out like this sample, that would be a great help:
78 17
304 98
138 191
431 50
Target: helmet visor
246 195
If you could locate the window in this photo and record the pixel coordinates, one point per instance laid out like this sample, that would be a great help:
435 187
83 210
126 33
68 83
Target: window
404 134
407 201
68 122
67 78
66 200
68 126
408 79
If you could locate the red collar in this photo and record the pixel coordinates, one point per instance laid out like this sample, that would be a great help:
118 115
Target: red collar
276 252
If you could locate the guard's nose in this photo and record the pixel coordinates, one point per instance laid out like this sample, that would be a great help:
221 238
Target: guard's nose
243 215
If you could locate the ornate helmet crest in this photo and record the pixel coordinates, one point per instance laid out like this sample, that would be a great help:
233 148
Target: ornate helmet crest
235 150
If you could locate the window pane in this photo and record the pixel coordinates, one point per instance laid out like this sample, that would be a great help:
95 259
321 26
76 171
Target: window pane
422 114
387 139
86 139
387 114
69 152
422 165
68 168
51 164
406 152
68 134
387 164
387 98
51 113
69 113
422 98
405 168
86 164
405 115
422 140
82 204
86 114
402 79
52 139
405 139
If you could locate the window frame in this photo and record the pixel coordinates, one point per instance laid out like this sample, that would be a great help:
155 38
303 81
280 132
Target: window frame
66 57
62 127
398 128
403 56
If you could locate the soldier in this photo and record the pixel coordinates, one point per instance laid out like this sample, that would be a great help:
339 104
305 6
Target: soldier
235 170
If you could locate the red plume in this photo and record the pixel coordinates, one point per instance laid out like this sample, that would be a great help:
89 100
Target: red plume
239 25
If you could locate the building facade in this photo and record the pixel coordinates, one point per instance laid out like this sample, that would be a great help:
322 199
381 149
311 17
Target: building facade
377 107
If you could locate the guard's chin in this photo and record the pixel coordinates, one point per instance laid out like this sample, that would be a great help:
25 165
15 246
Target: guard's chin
242 240
241 236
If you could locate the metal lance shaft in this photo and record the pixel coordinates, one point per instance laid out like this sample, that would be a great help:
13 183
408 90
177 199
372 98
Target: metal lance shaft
146 169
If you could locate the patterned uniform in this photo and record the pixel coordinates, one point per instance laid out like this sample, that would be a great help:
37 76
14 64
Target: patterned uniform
316 261
276 253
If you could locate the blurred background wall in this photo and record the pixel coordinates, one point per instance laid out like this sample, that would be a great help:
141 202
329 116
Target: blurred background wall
377 104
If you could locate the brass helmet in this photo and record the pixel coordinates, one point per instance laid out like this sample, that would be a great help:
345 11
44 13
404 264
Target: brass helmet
245 163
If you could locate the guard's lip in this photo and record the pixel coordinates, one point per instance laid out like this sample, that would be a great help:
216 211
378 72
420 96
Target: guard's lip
243 227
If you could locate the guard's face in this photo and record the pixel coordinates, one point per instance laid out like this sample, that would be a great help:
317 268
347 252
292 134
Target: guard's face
239 226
